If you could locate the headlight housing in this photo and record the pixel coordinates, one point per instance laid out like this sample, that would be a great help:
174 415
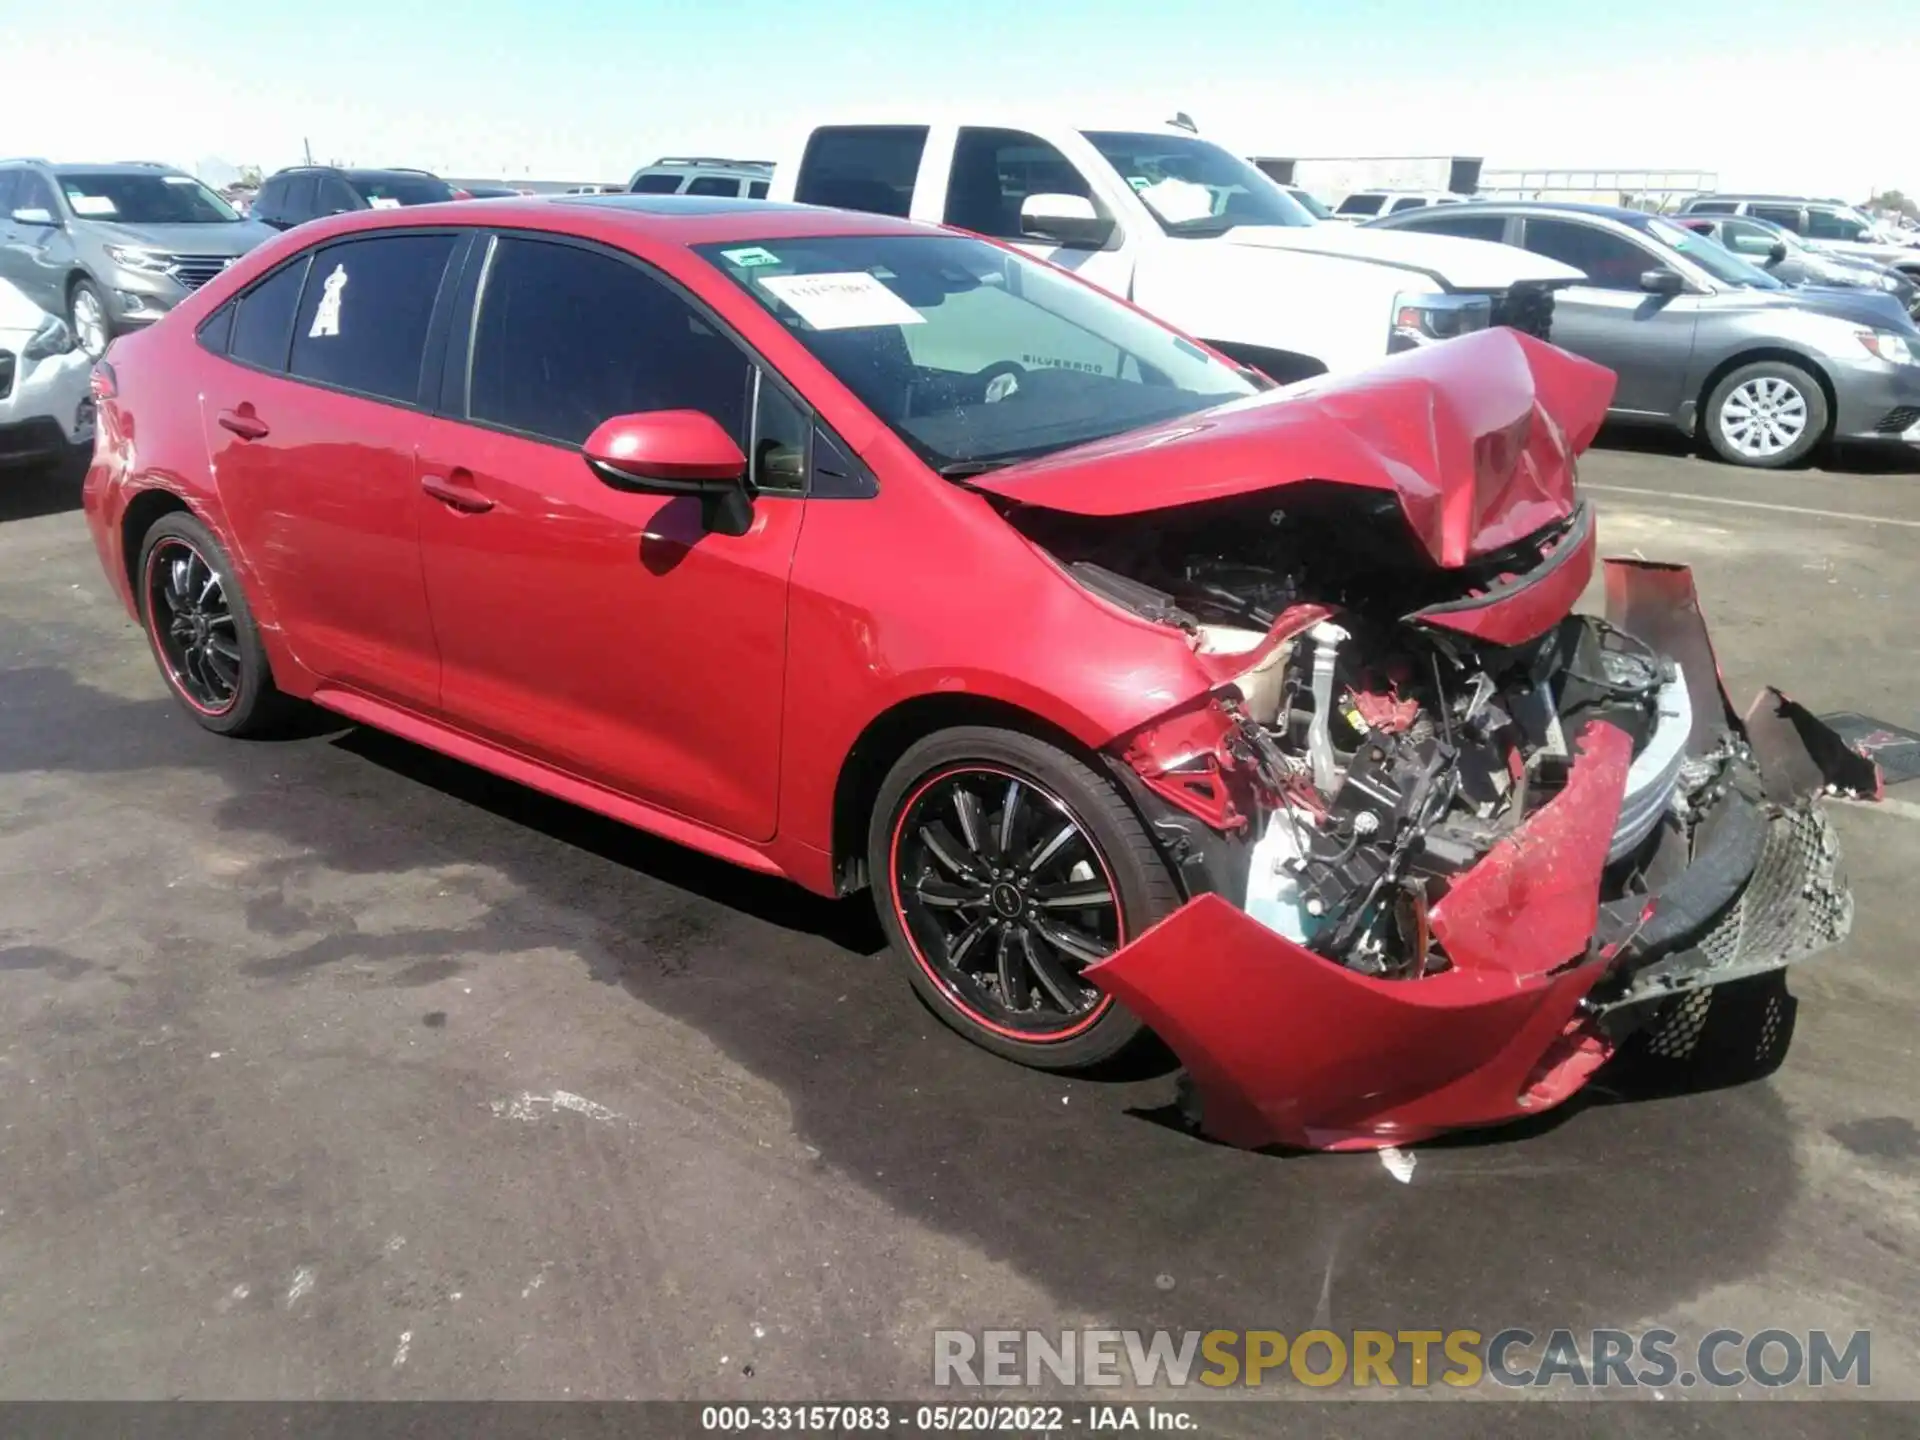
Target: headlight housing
1421 319
51 339
136 257
1885 345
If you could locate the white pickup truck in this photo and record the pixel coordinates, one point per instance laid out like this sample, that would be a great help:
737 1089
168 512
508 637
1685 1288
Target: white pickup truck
1186 230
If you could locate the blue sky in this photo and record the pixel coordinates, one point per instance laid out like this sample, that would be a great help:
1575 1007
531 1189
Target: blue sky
589 89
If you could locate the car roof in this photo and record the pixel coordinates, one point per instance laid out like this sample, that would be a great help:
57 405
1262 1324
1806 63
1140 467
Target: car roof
116 167
674 220
1636 218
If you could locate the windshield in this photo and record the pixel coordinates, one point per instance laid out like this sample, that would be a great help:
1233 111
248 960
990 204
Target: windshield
1192 186
1311 204
156 199
974 355
1711 256
384 190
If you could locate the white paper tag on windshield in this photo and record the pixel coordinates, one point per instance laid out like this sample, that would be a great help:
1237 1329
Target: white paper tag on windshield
382 202
91 205
844 300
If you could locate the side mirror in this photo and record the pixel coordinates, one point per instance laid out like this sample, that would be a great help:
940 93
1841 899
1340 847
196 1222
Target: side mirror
1066 220
33 215
1776 252
675 452
1662 282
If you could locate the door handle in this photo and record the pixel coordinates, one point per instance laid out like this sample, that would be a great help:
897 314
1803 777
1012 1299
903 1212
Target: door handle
244 423
463 498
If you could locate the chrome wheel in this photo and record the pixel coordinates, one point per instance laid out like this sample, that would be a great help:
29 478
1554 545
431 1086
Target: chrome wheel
90 322
193 626
1005 901
1763 416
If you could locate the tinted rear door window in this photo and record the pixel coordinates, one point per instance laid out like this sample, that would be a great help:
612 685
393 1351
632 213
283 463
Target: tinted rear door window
862 167
264 325
1467 227
363 319
1787 215
570 337
658 185
757 190
1609 261
713 185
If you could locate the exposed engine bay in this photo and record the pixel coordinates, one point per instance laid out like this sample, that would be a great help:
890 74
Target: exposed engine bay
1376 757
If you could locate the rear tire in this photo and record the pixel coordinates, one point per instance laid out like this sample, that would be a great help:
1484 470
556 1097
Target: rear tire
1766 416
1002 867
202 632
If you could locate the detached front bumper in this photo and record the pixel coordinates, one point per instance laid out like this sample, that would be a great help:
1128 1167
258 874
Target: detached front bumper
1286 1047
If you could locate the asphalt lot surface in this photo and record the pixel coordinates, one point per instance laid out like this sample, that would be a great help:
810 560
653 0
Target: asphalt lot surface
329 1068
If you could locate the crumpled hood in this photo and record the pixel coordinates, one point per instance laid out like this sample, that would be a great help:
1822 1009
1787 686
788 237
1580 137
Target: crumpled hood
1459 263
1476 437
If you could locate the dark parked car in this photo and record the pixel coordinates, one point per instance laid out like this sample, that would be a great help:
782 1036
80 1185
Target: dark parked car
308 192
1785 256
1702 340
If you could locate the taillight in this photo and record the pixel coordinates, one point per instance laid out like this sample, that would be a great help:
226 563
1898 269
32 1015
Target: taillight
104 383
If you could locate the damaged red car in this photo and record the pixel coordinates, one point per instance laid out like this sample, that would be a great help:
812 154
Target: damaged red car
1146 698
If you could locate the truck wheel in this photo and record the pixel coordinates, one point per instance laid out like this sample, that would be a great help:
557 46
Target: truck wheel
1766 415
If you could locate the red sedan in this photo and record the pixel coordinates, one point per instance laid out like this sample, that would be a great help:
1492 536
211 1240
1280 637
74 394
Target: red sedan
1141 695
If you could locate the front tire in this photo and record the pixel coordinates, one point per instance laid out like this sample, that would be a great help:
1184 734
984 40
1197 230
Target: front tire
1003 867
202 632
1766 415
92 322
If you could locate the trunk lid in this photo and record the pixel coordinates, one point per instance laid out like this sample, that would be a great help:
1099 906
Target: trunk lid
1475 437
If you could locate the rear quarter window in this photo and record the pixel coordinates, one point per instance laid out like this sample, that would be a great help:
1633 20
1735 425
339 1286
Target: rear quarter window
263 325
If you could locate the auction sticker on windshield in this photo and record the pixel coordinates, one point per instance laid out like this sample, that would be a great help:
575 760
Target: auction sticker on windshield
847 300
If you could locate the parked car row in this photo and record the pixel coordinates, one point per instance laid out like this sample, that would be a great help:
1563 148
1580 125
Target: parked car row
1703 341
1199 236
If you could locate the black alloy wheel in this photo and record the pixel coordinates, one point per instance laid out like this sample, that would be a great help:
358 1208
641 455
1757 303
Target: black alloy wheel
1007 899
193 626
202 630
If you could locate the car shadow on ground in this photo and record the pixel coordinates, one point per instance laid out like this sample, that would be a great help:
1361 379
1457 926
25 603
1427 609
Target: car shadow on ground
1059 1179
28 492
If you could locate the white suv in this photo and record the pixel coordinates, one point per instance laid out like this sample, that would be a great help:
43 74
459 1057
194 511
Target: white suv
46 401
